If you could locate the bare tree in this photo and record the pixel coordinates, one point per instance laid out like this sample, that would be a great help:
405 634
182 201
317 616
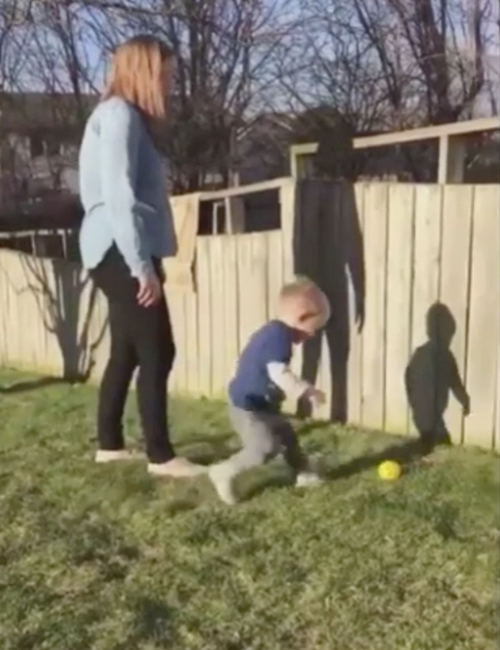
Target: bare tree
443 43
14 16
224 73
376 64
326 62
389 64
63 66
413 62
223 50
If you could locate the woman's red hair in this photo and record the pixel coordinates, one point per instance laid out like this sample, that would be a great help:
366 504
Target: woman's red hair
137 68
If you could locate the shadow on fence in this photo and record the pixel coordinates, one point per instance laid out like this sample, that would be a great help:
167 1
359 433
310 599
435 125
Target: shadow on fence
432 375
59 290
328 247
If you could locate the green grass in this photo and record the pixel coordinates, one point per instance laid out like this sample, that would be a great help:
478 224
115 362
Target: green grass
105 558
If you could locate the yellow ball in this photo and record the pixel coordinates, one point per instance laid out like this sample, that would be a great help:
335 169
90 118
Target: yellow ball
389 470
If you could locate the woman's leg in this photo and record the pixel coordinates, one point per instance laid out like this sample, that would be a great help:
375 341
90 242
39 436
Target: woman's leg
141 336
113 279
115 381
155 349
154 346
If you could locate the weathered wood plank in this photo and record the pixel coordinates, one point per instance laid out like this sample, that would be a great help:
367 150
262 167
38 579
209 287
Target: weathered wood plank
484 317
217 313
449 320
203 283
192 355
427 254
232 315
374 335
288 206
353 210
175 300
252 284
399 281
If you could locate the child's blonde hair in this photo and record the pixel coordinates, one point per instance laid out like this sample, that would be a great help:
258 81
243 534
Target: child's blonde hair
304 302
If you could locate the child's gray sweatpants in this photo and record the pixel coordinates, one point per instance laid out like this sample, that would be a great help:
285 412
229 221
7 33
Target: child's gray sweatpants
264 435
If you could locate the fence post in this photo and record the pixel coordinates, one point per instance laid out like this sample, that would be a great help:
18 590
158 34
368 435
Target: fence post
235 215
451 159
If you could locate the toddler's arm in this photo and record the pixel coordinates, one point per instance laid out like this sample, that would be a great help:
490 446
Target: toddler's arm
293 387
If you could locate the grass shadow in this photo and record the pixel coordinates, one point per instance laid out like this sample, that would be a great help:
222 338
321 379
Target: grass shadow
27 385
208 448
305 428
407 454
266 479
153 621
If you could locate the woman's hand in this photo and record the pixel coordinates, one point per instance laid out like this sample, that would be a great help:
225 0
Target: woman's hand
149 289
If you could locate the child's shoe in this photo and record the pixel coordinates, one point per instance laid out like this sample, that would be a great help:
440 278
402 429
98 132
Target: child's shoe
176 468
222 477
307 479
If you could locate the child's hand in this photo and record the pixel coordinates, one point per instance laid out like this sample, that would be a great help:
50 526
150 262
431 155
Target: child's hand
315 396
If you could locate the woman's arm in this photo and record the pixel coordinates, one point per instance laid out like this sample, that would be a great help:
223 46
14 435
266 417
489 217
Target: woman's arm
120 132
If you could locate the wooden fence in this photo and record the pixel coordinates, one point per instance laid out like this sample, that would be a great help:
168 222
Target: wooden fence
412 272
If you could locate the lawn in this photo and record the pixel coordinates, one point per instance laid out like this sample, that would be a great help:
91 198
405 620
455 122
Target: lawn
106 558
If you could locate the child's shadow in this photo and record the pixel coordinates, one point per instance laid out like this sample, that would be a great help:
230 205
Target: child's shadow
205 449
431 375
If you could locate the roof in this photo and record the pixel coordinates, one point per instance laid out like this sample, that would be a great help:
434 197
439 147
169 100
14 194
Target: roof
26 112
54 211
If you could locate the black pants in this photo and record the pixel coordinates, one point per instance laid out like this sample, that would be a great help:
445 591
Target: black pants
140 337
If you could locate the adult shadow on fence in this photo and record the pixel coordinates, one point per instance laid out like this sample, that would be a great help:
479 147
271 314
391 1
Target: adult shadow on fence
66 300
328 248
431 376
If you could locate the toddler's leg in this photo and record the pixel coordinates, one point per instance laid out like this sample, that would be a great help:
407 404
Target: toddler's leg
294 455
292 451
258 445
256 432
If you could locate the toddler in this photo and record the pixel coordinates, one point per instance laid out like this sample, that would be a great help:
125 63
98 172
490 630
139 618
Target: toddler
262 381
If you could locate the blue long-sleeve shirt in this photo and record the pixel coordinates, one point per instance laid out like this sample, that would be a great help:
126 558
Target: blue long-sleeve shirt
123 190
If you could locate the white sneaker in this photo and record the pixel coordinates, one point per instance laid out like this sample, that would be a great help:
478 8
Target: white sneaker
307 479
112 455
222 480
176 468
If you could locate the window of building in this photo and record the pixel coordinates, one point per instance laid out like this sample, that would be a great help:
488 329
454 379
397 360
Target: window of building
36 145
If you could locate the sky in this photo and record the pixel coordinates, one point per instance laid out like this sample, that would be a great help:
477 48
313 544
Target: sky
92 53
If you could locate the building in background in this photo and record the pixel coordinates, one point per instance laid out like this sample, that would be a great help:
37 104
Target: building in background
39 139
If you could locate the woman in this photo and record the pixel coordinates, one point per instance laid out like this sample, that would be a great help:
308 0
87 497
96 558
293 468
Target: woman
126 231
